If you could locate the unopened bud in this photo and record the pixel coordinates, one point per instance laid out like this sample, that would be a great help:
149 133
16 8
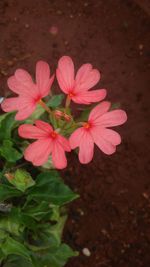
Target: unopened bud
67 117
58 114
9 176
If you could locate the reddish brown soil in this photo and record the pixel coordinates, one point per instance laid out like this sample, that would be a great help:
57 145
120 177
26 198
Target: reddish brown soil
115 191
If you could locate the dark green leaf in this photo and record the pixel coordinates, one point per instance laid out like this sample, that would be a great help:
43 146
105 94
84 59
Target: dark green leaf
7 192
13 261
6 126
11 225
55 101
57 258
9 152
115 106
13 247
38 211
49 187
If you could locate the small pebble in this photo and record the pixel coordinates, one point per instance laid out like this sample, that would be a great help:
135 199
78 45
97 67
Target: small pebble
71 16
86 252
53 30
145 195
59 12
27 25
10 63
141 46
81 212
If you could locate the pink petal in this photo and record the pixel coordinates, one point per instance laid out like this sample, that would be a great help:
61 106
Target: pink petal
86 77
21 88
25 112
88 97
81 138
99 110
112 118
76 137
58 156
103 144
39 151
86 148
24 105
64 143
31 132
44 126
65 74
10 104
23 76
43 78
25 81
109 135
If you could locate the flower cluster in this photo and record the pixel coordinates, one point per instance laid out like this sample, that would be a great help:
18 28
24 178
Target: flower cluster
54 141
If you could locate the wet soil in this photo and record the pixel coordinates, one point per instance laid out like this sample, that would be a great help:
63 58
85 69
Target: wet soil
112 216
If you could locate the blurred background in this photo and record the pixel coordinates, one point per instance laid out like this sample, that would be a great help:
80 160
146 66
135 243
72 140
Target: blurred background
112 216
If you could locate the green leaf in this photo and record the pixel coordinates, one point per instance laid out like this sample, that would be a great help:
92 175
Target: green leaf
55 101
2 256
13 247
49 164
49 187
3 235
6 126
22 180
85 114
36 114
38 211
7 192
23 219
11 225
114 106
57 258
17 261
9 152
57 229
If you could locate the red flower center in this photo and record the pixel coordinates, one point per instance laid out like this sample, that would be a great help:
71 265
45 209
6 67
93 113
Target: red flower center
71 94
37 99
87 125
53 135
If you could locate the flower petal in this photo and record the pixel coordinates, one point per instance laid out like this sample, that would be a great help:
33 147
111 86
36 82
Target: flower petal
39 151
10 104
64 143
25 111
23 76
99 110
43 78
58 156
103 144
22 88
86 77
86 148
31 132
112 118
108 134
88 97
76 137
65 74
44 126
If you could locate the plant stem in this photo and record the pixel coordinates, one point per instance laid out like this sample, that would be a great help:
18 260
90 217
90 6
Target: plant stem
68 100
43 105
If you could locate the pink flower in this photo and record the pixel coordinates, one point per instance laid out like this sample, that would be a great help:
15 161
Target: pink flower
77 88
30 93
96 131
48 142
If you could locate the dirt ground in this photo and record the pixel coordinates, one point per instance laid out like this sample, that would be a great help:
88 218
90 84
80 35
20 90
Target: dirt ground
112 216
